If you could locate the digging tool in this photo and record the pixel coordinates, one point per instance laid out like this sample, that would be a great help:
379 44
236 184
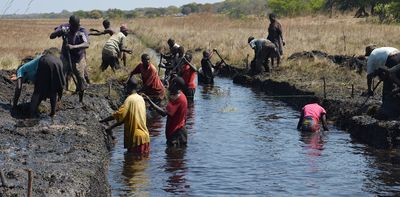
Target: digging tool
366 99
222 59
159 67
3 179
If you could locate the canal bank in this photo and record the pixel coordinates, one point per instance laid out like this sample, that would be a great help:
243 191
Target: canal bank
354 115
68 155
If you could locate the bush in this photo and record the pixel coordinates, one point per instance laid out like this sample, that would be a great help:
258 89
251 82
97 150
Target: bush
388 12
296 7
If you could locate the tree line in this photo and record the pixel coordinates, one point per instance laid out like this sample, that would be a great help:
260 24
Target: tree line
386 10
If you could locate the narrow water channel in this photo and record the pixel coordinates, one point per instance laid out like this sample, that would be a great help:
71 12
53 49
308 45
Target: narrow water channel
243 143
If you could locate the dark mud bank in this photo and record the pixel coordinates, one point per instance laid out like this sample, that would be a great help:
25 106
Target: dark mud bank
68 154
345 113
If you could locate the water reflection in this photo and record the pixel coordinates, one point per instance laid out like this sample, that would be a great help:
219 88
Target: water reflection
155 123
387 163
314 142
314 145
190 117
257 152
177 170
134 175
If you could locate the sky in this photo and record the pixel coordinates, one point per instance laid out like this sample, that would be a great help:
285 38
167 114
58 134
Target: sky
47 6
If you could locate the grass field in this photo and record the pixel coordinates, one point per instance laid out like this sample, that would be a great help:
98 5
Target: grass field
338 35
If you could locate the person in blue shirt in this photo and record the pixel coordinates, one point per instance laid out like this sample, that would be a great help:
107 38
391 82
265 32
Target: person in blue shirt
46 72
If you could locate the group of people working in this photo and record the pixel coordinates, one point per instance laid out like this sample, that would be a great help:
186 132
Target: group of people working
51 72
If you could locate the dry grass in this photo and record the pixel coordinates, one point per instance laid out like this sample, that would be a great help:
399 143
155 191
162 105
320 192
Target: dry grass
340 35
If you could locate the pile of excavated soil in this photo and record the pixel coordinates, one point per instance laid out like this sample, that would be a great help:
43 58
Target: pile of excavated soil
352 62
68 154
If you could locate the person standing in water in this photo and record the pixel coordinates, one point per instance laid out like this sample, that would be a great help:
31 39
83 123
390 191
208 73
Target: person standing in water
175 130
311 116
133 115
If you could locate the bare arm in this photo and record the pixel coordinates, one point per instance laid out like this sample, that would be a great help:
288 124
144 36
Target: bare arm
114 125
17 92
83 45
56 34
324 123
126 50
96 34
369 83
300 120
154 106
109 118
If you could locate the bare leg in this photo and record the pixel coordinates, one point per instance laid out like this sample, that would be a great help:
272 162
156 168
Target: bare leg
278 61
35 101
53 102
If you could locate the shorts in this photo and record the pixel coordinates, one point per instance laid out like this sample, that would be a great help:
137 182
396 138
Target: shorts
109 60
178 138
310 124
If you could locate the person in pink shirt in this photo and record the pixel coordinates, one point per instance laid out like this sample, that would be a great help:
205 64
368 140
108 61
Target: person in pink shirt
311 115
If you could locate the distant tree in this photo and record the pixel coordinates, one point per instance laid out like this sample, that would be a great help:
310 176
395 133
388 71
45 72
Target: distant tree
243 7
186 10
132 14
154 12
296 7
208 7
115 13
190 8
360 5
95 14
65 13
172 10
389 12
81 14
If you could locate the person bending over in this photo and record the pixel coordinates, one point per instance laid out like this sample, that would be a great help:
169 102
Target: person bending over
46 72
133 115
311 116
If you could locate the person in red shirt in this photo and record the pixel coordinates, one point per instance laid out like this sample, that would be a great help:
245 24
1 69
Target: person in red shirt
188 72
175 111
311 115
152 85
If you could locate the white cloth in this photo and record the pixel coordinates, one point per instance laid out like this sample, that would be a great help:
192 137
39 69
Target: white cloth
378 58
253 43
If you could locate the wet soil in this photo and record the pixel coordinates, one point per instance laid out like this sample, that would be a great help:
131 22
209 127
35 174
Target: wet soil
68 154
358 115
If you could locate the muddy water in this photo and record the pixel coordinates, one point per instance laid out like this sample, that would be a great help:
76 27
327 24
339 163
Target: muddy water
243 143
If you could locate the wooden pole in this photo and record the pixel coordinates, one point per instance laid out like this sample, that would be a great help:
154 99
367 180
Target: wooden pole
29 182
3 179
323 78
109 89
352 90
